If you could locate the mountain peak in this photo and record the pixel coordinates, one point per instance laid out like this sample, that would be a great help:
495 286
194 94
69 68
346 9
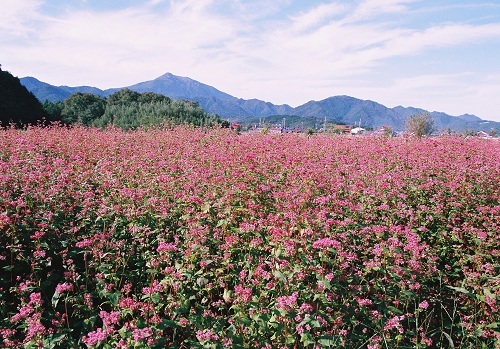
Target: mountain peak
180 87
166 76
170 77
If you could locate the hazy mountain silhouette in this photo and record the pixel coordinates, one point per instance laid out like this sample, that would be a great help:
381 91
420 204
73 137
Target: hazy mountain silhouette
344 109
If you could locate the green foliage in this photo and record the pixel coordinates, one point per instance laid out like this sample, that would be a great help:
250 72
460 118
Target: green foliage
82 108
123 97
128 109
310 131
151 97
53 110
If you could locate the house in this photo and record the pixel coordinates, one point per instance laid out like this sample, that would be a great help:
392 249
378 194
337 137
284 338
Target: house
341 129
483 134
357 130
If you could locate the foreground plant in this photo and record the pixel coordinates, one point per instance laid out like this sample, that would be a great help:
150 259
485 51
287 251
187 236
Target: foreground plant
186 239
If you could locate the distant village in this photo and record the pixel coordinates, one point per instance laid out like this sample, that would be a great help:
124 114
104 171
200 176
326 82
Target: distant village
341 129
330 128
282 127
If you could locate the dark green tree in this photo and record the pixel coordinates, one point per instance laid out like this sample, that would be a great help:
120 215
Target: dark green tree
124 97
83 108
128 109
151 97
53 110
18 106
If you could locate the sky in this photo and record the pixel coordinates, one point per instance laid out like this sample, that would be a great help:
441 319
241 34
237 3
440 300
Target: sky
439 55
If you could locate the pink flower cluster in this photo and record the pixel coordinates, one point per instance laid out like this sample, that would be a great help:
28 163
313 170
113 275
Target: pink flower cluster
206 335
64 287
209 238
166 247
242 294
326 243
287 302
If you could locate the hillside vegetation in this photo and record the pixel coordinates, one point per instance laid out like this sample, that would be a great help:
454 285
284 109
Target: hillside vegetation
128 109
18 106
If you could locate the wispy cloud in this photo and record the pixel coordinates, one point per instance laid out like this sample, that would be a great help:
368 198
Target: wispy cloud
367 9
18 18
317 16
284 51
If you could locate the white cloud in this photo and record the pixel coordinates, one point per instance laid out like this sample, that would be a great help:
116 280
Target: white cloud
367 9
17 18
317 16
276 51
455 94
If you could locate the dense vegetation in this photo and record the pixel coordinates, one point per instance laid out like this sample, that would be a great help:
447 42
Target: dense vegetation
128 109
18 106
190 239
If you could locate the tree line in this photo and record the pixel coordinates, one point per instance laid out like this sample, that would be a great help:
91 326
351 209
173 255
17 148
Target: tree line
129 109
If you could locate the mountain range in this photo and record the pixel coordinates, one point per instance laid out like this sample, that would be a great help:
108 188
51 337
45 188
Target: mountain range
337 109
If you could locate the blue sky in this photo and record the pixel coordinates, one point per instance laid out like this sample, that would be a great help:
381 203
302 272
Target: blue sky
439 55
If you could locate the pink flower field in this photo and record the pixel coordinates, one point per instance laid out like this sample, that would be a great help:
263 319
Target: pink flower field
188 239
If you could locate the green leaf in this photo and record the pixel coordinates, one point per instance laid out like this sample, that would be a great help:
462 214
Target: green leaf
113 297
307 339
155 298
289 340
326 284
167 324
245 321
487 292
123 332
279 276
462 290
330 341
53 340
55 299
394 310
273 323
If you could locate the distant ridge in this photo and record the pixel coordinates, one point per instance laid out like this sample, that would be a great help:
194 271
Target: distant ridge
344 109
